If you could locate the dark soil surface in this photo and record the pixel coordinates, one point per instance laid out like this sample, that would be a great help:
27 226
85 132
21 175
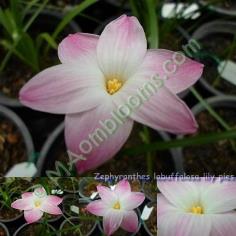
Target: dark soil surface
219 45
86 224
12 146
13 78
217 158
150 189
90 187
36 229
70 184
8 213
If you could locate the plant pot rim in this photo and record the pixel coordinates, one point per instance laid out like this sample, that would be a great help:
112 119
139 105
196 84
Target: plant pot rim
216 26
74 217
20 125
14 102
216 101
133 234
13 219
81 200
47 146
5 228
26 224
218 9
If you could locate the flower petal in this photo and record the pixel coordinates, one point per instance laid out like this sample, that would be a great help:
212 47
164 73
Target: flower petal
97 208
130 221
112 221
121 47
54 200
77 47
171 222
165 111
182 195
64 89
122 187
165 207
85 135
27 194
51 209
33 215
22 204
132 200
161 62
107 195
224 195
224 224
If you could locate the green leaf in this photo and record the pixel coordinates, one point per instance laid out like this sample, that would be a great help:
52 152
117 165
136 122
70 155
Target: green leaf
48 38
152 23
185 142
71 14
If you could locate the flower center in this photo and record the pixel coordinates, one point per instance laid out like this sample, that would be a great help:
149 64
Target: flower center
113 85
116 206
197 210
37 203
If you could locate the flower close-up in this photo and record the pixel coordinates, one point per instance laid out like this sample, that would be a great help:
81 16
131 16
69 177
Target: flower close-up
117 207
196 208
34 204
99 74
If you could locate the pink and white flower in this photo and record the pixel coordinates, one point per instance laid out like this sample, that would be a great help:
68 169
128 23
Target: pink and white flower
34 204
117 207
196 208
98 74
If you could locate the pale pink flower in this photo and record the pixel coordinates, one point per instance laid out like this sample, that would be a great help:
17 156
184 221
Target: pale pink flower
117 207
34 204
196 208
98 74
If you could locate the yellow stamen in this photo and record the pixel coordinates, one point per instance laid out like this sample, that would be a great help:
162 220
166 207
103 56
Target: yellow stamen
37 203
113 85
116 206
197 210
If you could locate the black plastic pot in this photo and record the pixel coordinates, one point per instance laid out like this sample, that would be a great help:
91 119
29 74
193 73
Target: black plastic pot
46 19
81 201
228 27
5 229
18 231
70 198
215 102
45 151
218 9
76 219
15 119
